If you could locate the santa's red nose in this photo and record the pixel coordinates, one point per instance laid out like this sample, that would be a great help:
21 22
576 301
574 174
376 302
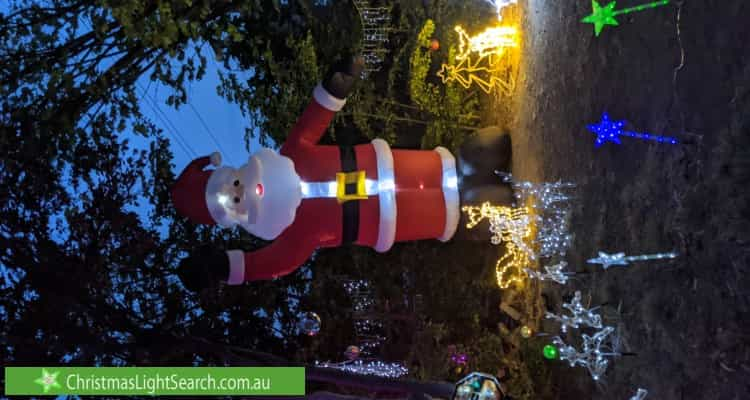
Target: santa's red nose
259 189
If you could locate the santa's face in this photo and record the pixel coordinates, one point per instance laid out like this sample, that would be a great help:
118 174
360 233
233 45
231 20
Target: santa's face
262 196
272 193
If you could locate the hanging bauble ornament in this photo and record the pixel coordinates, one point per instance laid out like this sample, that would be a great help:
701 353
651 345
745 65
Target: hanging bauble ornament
309 324
525 332
352 352
434 45
550 352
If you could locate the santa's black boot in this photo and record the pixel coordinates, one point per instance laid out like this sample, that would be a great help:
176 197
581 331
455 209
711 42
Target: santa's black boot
487 151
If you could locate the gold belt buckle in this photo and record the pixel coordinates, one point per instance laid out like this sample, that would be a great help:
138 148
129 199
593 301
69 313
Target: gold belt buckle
344 179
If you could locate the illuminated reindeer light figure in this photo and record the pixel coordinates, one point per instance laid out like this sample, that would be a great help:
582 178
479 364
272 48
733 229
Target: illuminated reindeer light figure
478 59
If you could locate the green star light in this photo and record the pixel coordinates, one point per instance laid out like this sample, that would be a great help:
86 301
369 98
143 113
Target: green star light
49 381
606 15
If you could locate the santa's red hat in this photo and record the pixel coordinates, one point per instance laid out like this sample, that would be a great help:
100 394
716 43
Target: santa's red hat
189 191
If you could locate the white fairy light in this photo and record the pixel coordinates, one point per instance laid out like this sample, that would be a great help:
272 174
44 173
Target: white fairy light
580 315
375 27
500 4
375 368
608 260
594 354
553 273
550 204
640 395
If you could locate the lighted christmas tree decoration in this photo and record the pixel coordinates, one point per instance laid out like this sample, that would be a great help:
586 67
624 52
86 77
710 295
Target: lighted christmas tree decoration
491 42
608 260
640 395
478 386
602 16
553 273
610 131
477 71
362 367
478 59
579 315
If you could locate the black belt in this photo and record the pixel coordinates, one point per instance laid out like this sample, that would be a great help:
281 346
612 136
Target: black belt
350 209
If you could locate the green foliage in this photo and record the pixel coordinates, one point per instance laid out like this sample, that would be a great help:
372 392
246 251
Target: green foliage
451 108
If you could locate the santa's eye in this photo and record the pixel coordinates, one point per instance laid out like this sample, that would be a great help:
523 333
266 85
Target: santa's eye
236 199
237 183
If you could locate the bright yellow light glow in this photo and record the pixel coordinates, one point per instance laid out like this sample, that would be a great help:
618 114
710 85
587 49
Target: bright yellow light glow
513 227
491 41
478 59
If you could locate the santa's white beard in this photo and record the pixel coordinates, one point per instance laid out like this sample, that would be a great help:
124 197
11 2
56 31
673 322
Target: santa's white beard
281 193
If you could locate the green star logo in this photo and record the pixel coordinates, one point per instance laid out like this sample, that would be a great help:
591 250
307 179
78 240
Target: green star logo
48 381
601 16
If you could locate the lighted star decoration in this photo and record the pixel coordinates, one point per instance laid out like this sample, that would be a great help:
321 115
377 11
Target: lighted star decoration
603 16
48 380
608 260
608 130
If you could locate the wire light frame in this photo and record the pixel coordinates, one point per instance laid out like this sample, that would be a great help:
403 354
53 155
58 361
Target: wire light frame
478 60
376 24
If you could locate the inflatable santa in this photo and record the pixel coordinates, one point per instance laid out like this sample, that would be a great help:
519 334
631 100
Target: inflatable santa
309 196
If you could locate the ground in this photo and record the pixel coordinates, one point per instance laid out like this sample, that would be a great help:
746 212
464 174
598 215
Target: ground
678 70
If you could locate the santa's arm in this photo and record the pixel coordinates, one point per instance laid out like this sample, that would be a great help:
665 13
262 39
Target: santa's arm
313 123
287 253
328 98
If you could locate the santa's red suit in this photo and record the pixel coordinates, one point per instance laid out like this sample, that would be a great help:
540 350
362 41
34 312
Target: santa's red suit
369 195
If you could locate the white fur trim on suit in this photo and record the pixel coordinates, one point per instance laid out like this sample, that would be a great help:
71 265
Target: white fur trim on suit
386 196
327 100
450 193
236 267
215 158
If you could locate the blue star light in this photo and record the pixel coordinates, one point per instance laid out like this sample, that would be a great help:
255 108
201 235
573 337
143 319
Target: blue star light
610 131
607 131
